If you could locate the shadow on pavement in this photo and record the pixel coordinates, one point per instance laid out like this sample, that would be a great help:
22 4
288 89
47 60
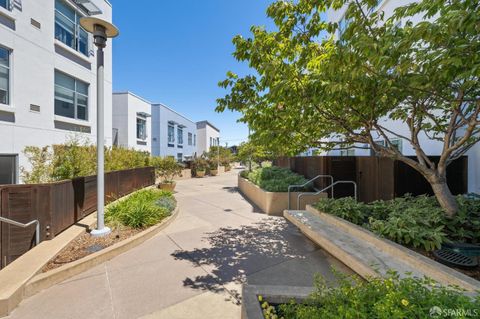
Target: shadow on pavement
234 253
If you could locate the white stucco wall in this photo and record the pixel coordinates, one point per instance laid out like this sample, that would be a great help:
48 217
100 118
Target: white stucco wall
35 55
161 116
206 132
126 107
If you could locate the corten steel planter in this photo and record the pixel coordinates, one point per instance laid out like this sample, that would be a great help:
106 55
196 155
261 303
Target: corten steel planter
214 172
167 186
274 203
200 173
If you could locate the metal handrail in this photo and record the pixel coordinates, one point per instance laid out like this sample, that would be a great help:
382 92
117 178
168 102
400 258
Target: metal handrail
326 188
15 223
306 183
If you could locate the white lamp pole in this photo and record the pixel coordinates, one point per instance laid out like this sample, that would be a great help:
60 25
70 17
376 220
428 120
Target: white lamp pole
102 30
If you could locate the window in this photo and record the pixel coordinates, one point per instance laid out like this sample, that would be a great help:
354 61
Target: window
8 169
71 97
5 4
348 152
189 138
141 129
179 157
4 76
171 134
68 29
180 135
194 139
396 142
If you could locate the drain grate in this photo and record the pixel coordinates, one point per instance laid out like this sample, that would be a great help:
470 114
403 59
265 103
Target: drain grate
454 259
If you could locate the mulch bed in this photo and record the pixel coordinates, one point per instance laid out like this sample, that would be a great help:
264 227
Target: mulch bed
85 245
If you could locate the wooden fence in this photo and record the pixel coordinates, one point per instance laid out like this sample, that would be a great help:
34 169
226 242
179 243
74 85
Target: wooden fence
376 177
58 206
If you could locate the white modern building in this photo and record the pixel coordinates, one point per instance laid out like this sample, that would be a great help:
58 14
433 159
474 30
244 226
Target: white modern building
173 134
208 136
131 122
158 129
431 147
48 77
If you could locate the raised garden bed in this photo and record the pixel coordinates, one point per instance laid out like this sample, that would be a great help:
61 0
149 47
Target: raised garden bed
273 203
419 224
352 297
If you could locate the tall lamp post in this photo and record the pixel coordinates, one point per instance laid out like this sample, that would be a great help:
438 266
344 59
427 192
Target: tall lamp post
101 30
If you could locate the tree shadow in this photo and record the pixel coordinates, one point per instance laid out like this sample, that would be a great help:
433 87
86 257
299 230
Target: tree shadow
234 253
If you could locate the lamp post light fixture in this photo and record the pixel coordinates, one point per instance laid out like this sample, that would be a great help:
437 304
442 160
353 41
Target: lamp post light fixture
101 30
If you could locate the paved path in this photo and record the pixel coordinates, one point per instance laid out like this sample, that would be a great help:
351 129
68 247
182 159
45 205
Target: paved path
195 267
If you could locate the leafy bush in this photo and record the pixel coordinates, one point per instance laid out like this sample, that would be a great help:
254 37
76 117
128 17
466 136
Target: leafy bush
76 158
274 179
377 298
412 221
142 209
166 168
40 160
347 208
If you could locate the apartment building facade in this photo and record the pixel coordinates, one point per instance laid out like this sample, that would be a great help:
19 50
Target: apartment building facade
132 122
48 77
208 136
173 134
159 129
430 146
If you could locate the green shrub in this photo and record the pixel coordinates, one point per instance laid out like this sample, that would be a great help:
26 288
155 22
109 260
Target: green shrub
166 168
347 208
377 298
77 157
412 221
142 209
274 179
465 226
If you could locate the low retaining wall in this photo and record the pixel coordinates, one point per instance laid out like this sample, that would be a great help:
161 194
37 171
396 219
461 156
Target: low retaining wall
273 203
186 174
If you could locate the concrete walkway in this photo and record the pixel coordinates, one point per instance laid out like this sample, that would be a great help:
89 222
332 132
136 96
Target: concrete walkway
195 267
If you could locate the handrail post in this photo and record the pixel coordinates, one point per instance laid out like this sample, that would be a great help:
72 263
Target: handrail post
18 224
306 183
328 187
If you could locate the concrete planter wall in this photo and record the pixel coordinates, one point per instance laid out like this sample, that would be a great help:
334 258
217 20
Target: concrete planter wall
274 203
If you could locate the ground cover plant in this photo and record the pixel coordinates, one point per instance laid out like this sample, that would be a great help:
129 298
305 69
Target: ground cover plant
411 221
274 179
378 298
142 209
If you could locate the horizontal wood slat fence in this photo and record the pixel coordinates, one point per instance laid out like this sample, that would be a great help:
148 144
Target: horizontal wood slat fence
58 206
377 178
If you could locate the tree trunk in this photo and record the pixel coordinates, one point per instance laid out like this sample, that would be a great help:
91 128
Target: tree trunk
444 196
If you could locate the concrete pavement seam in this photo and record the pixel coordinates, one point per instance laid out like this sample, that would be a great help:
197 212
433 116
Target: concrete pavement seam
110 293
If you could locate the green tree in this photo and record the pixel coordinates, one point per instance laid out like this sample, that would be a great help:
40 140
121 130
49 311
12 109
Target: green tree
221 154
311 89
249 152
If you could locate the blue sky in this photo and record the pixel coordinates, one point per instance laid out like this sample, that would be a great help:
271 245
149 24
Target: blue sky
175 52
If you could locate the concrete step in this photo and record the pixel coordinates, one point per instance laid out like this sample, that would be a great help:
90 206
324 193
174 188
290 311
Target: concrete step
361 256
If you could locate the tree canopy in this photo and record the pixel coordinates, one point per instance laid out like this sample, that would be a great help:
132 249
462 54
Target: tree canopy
334 85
